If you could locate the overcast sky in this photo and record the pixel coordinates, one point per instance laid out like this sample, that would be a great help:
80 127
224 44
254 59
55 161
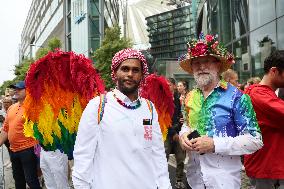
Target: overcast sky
13 14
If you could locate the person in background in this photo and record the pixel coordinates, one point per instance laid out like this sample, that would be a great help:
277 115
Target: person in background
182 88
23 158
251 81
231 76
54 167
172 142
265 167
6 103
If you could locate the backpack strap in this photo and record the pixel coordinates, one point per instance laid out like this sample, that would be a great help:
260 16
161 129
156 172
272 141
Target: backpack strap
150 106
101 107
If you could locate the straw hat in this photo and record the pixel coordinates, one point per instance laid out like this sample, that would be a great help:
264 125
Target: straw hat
206 46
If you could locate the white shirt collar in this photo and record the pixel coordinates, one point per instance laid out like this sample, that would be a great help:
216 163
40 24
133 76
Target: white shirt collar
123 97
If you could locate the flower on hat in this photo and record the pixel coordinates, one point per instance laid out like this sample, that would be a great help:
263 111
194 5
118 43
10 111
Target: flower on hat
230 58
199 49
209 38
203 46
208 45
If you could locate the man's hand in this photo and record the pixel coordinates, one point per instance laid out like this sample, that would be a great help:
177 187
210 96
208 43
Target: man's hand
176 138
185 143
181 120
203 144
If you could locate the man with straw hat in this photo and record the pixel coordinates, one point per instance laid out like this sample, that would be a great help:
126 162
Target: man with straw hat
220 121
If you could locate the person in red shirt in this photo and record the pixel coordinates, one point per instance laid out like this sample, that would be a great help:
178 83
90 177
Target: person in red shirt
266 166
23 158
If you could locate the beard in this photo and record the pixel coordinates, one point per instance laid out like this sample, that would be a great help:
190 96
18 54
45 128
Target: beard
127 89
204 79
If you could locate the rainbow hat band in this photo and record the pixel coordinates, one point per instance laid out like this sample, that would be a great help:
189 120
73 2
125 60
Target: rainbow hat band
206 46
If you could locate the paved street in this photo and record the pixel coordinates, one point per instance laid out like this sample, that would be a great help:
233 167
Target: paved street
8 178
172 165
9 181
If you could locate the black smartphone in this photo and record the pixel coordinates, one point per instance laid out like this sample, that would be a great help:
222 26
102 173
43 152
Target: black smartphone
193 134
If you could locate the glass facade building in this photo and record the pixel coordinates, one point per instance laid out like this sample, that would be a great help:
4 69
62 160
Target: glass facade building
86 33
249 29
74 22
169 33
44 20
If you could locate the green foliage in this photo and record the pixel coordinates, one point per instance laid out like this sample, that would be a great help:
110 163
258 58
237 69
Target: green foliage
41 52
5 85
21 69
53 44
111 44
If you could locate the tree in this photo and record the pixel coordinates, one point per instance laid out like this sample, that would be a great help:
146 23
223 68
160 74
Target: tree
21 69
111 44
53 44
5 85
41 52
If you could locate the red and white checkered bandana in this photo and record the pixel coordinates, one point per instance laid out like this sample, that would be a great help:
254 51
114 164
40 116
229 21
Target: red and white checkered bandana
125 54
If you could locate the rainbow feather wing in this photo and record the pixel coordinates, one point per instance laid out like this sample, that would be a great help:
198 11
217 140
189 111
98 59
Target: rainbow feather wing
58 88
156 89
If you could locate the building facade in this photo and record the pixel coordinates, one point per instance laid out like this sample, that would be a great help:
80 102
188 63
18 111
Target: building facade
134 24
169 33
249 29
78 24
44 20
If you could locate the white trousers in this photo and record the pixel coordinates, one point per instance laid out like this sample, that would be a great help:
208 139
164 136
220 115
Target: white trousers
54 167
213 171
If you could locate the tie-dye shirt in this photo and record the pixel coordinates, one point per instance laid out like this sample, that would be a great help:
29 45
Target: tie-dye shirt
225 112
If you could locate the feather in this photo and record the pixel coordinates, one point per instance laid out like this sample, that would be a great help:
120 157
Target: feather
58 88
156 89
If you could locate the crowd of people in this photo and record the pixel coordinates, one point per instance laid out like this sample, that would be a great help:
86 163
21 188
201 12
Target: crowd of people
219 125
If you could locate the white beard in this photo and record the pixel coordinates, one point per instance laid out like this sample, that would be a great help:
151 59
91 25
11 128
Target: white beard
204 80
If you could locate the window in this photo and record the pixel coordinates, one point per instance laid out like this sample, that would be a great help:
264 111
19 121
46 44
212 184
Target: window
242 59
261 12
239 18
280 33
245 67
280 8
68 6
224 13
262 42
69 45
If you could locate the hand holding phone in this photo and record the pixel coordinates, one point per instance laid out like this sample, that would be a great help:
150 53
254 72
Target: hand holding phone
193 134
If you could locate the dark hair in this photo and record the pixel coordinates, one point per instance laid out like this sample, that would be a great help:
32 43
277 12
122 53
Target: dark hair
172 80
185 84
276 59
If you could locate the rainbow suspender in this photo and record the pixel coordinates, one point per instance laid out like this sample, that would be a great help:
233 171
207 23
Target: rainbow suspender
150 106
101 107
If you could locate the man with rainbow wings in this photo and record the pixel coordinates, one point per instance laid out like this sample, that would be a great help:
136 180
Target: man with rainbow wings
120 137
